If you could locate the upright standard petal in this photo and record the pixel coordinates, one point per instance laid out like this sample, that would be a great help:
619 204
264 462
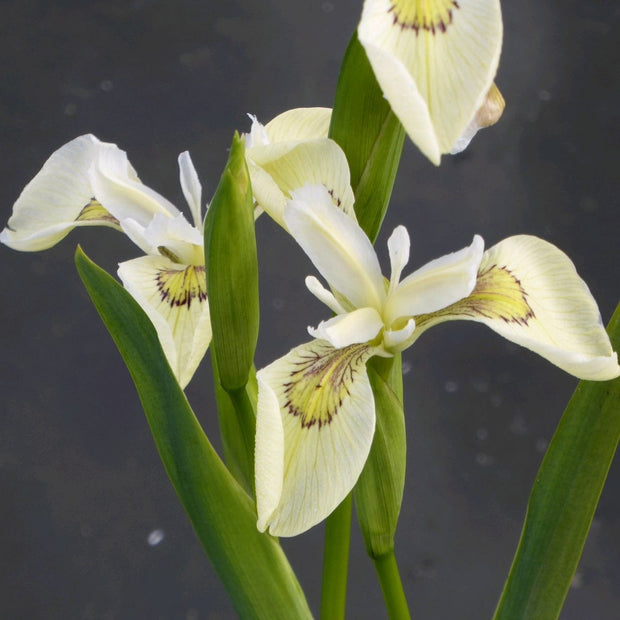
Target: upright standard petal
174 297
291 151
59 198
337 246
314 428
435 62
299 124
528 291
276 170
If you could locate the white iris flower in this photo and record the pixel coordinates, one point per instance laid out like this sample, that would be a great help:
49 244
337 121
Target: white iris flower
316 414
293 150
91 183
435 61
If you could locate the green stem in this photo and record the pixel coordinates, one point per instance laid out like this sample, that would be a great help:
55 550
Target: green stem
336 561
246 414
392 587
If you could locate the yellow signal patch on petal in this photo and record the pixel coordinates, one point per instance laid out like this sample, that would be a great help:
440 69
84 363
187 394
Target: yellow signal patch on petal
431 15
314 428
529 291
319 382
179 287
95 212
498 294
174 296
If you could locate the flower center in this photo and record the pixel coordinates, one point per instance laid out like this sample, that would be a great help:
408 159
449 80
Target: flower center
429 15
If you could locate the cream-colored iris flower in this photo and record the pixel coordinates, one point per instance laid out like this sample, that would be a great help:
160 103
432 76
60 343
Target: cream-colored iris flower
316 415
435 61
291 151
91 183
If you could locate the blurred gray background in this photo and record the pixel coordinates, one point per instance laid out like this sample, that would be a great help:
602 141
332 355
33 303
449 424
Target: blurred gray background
90 527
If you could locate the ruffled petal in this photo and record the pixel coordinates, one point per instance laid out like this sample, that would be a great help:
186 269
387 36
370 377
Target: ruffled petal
528 291
314 428
354 327
437 284
278 169
175 299
337 246
435 62
59 198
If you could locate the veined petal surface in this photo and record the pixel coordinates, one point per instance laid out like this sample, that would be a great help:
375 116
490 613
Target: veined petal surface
59 198
438 284
174 297
435 62
278 169
336 245
299 124
314 429
528 291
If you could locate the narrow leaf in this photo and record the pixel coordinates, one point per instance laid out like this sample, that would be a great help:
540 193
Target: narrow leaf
370 135
251 565
563 500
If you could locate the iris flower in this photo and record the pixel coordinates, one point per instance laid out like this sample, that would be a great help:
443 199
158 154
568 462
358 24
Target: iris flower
291 151
316 414
91 183
435 61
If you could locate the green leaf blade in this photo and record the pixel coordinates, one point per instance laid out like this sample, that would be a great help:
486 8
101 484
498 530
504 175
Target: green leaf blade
251 565
372 138
564 499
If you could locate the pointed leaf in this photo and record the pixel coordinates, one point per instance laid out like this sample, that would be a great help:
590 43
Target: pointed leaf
563 500
251 565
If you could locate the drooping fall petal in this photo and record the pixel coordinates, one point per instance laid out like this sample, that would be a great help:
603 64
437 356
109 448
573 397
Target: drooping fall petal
435 62
529 291
59 198
314 429
174 296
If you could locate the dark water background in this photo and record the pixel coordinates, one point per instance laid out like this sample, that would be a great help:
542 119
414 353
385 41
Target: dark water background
81 486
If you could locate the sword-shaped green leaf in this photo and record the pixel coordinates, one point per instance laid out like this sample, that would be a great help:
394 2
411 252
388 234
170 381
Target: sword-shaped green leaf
251 565
564 499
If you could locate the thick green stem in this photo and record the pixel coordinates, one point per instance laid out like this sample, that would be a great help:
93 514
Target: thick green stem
336 561
392 587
